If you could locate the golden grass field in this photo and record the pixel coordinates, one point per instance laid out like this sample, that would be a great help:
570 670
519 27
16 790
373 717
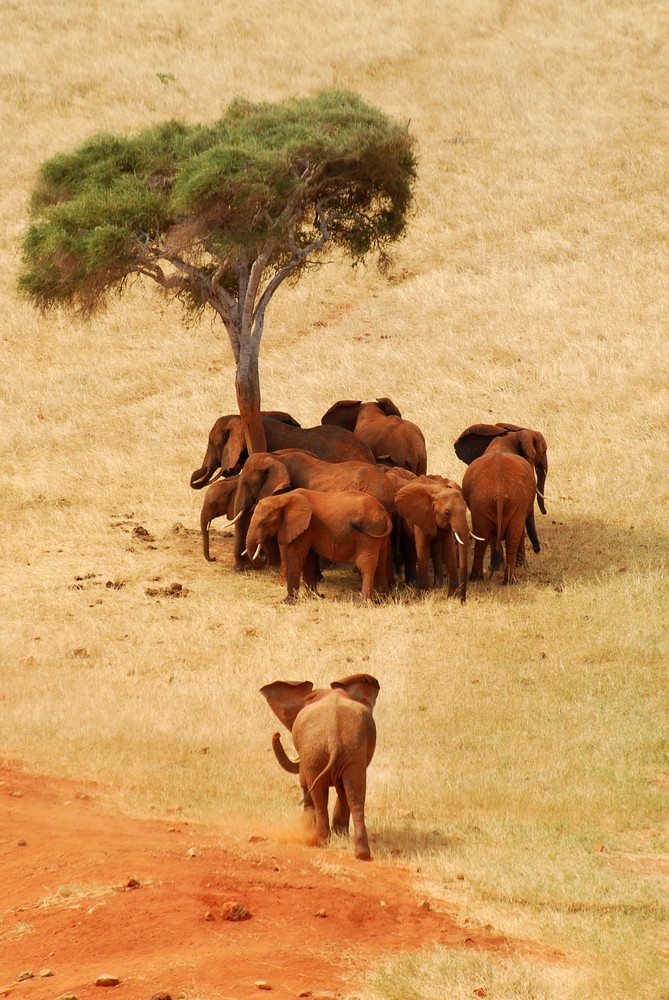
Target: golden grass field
522 754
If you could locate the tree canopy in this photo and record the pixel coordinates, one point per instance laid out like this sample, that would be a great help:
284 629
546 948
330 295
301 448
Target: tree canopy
220 214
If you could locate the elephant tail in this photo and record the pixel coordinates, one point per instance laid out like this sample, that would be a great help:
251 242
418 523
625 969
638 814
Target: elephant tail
328 767
293 766
500 527
370 534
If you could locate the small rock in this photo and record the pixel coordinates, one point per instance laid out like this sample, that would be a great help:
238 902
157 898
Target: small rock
161 996
262 984
426 905
254 839
383 903
321 913
16 795
26 974
209 915
67 996
140 531
106 980
193 852
234 911
131 883
45 973
81 653
22 843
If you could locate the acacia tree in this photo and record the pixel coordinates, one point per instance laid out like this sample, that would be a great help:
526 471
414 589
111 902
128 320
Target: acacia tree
220 215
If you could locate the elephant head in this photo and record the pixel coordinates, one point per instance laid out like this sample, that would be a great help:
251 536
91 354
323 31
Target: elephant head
531 445
345 412
226 447
434 508
288 698
263 475
283 517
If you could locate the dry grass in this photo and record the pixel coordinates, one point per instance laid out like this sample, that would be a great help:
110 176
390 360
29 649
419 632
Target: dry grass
518 735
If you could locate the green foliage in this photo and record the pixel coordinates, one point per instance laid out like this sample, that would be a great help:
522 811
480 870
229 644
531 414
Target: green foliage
264 177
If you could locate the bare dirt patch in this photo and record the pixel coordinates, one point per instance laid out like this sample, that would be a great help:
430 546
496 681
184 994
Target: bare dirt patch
86 892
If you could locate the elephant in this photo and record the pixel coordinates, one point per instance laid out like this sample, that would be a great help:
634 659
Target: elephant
345 527
500 489
219 500
335 735
438 513
226 447
392 439
265 474
482 439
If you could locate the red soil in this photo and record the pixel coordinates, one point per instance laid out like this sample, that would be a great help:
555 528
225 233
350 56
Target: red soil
70 905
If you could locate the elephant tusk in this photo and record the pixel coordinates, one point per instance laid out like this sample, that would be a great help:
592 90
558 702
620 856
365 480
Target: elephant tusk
540 494
244 553
472 535
237 516
458 538
257 552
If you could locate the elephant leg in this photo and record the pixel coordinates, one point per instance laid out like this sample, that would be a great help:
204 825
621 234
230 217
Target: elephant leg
438 561
423 554
409 555
513 538
384 575
294 560
341 813
355 788
319 797
521 557
479 552
310 571
367 561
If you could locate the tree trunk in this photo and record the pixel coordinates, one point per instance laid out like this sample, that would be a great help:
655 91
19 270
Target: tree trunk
247 386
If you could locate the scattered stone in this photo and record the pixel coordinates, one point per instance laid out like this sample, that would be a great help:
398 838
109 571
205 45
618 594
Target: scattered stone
262 984
81 653
22 843
67 996
234 911
383 903
426 905
139 531
194 852
161 996
45 973
26 974
321 913
480 992
254 839
114 584
106 980
16 795
174 590
209 915
177 527
131 883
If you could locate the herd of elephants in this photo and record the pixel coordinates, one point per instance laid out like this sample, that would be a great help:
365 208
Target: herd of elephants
355 489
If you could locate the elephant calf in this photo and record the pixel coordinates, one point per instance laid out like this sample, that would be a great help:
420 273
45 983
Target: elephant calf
335 736
346 527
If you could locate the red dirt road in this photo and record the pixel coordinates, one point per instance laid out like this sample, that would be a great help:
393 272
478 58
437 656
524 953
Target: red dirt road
69 906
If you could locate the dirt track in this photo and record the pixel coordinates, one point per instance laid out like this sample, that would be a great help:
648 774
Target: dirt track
69 905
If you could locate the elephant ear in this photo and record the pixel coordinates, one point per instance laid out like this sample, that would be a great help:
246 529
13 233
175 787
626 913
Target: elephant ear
282 417
360 687
275 477
475 439
234 446
296 518
414 502
438 480
508 427
287 699
397 476
343 414
388 406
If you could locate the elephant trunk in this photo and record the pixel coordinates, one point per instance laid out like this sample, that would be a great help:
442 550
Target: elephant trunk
205 521
205 476
292 766
541 486
460 529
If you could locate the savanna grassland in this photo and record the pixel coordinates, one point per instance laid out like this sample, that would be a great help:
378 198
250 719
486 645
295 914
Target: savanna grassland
522 755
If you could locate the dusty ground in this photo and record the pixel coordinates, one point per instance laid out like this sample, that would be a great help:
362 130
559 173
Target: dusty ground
85 892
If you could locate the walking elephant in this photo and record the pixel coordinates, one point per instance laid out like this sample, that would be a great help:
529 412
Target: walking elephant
499 489
335 736
438 513
226 447
348 527
392 439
